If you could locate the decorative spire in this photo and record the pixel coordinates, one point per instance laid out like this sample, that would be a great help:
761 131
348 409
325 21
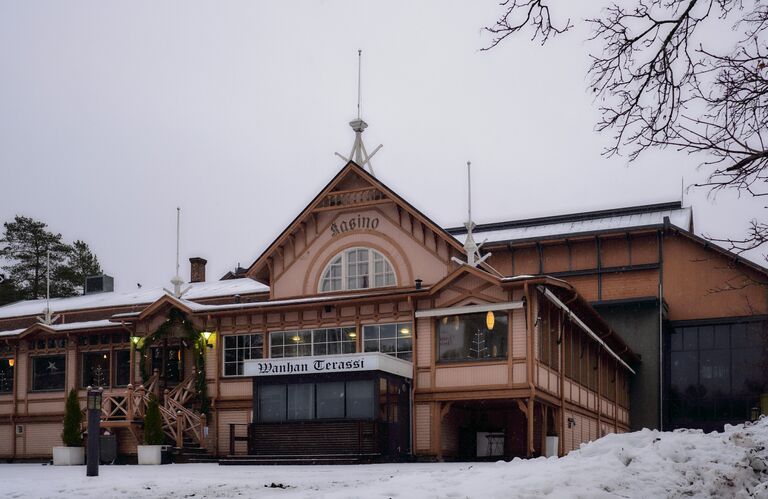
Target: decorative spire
359 154
176 280
47 318
471 248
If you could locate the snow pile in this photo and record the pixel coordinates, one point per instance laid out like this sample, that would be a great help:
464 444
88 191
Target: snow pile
645 464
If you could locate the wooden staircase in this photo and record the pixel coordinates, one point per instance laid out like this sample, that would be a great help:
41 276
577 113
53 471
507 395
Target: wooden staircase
180 423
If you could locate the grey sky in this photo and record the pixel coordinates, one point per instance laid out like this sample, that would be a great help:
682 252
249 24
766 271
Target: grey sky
113 113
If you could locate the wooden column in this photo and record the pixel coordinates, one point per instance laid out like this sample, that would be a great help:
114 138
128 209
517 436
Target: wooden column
437 423
529 416
561 413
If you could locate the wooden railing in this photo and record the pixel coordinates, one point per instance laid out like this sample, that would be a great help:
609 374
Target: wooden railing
178 421
350 197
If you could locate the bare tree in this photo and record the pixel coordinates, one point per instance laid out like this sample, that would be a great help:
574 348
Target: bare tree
662 80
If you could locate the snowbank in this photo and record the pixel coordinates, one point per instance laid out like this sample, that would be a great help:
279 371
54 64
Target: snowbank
644 464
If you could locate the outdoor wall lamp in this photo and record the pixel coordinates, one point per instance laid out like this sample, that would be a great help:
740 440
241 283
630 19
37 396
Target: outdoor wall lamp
135 340
571 422
207 336
11 362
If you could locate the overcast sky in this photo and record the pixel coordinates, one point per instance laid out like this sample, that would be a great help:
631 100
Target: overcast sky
114 113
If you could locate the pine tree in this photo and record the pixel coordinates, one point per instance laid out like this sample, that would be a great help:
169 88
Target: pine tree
73 419
81 263
9 293
153 425
26 243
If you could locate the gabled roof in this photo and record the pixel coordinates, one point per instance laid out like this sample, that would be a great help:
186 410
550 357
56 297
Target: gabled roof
256 269
197 291
59 328
573 224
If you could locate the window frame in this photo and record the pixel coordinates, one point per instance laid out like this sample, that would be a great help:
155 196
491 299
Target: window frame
10 381
397 352
264 348
34 359
343 330
501 316
110 367
342 259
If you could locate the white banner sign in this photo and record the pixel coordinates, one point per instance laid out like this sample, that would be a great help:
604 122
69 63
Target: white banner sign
373 361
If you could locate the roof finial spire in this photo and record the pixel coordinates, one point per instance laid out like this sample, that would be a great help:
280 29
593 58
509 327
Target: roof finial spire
176 280
471 248
359 154
47 318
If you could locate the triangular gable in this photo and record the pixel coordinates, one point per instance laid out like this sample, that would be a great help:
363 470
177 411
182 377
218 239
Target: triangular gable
351 187
35 328
164 300
459 273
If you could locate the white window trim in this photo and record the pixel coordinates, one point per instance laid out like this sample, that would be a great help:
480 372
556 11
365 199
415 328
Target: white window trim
345 274
224 349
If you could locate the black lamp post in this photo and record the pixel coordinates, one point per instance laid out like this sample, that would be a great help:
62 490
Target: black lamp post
94 417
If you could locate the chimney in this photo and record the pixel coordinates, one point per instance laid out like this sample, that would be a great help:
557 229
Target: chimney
197 269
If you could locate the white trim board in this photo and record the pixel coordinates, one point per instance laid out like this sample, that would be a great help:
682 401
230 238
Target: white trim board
469 309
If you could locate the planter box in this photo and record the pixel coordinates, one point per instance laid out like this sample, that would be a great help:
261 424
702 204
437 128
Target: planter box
68 456
150 454
551 447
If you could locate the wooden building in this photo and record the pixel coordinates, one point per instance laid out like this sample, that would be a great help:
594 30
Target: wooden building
359 333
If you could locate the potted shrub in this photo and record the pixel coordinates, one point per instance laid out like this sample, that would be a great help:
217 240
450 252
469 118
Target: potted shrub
73 452
154 438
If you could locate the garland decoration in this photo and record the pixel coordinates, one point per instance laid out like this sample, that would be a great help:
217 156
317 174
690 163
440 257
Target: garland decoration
177 325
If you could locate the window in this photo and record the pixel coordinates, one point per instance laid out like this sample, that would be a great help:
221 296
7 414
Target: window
238 348
48 373
716 373
392 339
306 401
122 367
330 341
357 268
467 337
95 369
6 375
548 334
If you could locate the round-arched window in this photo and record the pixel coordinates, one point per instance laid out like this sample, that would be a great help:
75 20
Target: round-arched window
357 268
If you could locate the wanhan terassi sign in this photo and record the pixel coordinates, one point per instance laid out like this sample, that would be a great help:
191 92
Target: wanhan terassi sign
358 222
373 361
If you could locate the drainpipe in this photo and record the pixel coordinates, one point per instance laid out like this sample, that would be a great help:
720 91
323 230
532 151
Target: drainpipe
661 324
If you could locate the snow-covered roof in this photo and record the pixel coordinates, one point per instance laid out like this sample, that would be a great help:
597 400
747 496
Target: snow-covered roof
197 291
72 326
582 223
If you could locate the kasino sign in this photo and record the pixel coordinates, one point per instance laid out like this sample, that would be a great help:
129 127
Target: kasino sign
328 364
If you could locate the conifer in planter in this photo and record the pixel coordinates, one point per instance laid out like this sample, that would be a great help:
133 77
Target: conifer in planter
154 437
73 452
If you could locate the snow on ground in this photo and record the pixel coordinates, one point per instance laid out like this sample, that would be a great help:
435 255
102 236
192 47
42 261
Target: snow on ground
645 464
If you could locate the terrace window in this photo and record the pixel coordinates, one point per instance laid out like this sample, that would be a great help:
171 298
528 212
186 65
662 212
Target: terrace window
240 347
48 373
330 341
472 337
393 339
95 369
357 268
6 375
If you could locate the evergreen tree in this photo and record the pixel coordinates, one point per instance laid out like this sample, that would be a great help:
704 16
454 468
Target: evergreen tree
9 293
81 263
153 424
73 419
25 245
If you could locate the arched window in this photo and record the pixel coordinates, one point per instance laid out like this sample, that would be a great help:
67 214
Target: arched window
357 268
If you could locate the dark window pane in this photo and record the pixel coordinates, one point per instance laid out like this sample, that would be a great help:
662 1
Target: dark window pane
95 369
360 399
467 337
371 346
272 403
301 401
330 400
388 331
689 338
6 376
676 340
707 338
48 373
714 372
122 367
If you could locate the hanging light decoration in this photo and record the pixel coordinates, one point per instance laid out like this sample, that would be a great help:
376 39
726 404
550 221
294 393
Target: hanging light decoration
490 320
296 338
405 330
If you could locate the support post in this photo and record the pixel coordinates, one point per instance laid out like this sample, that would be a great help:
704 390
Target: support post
94 417
179 429
529 411
203 429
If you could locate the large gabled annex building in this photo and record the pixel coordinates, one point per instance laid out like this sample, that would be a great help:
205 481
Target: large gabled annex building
365 330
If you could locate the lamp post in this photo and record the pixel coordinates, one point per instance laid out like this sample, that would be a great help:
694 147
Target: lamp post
94 416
